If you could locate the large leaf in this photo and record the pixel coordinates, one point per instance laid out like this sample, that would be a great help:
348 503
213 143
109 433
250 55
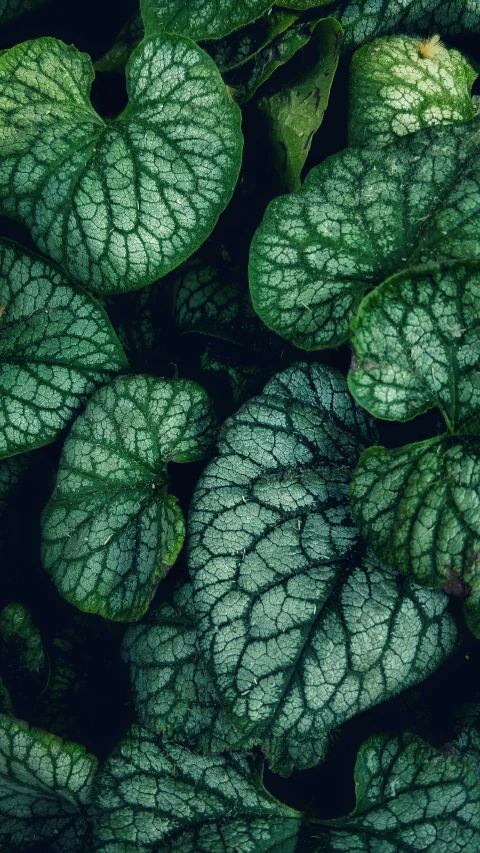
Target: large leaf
173 690
299 629
395 89
418 345
153 794
208 19
45 787
56 347
411 797
361 215
364 20
295 112
117 204
111 530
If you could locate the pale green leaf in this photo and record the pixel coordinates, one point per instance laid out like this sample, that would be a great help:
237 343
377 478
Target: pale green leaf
117 204
364 20
395 89
411 798
300 630
56 346
418 345
172 689
45 787
110 530
208 19
361 215
155 795
18 631
295 112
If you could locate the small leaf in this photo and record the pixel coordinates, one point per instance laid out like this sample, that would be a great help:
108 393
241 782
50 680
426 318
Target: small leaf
56 346
44 789
117 204
172 689
207 19
18 631
361 215
110 530
418 345
243 45
300 630
153 794
295 112
411 797
363 20
10 9
396 90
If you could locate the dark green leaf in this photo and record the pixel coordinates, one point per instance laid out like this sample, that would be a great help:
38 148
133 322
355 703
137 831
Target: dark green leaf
56 347
127 40
295 112
117 204
10 9
111 530
362 215
18 631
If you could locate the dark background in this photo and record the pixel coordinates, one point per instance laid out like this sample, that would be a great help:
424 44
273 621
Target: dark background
92 704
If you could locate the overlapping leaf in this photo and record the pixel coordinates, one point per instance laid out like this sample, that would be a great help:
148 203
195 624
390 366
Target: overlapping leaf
208 19
45 787
411 797
364 20
56 346
295 112
299 630
111 530
361 215
396 90
117 204
418 345
154 794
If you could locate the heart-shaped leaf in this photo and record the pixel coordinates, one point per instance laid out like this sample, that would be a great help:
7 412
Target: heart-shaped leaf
111 530
56 346
399 85
208 19
153 794
361 215
117 204
300 630
45 787
411 797
418 345
364 20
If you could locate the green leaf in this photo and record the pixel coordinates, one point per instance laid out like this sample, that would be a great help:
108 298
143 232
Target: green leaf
295 112
418 345
361 215
207 19
411 797
18 631
56 346
153 794
44 789
300 630
173 691
395 89
363 20
117 204
10 9
111 530
129 37
6 704
242 46
11 470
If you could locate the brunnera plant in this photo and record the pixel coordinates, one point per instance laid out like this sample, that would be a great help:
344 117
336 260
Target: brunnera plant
239 430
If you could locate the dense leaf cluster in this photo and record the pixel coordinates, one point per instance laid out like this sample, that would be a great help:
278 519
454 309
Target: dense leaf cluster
240 427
